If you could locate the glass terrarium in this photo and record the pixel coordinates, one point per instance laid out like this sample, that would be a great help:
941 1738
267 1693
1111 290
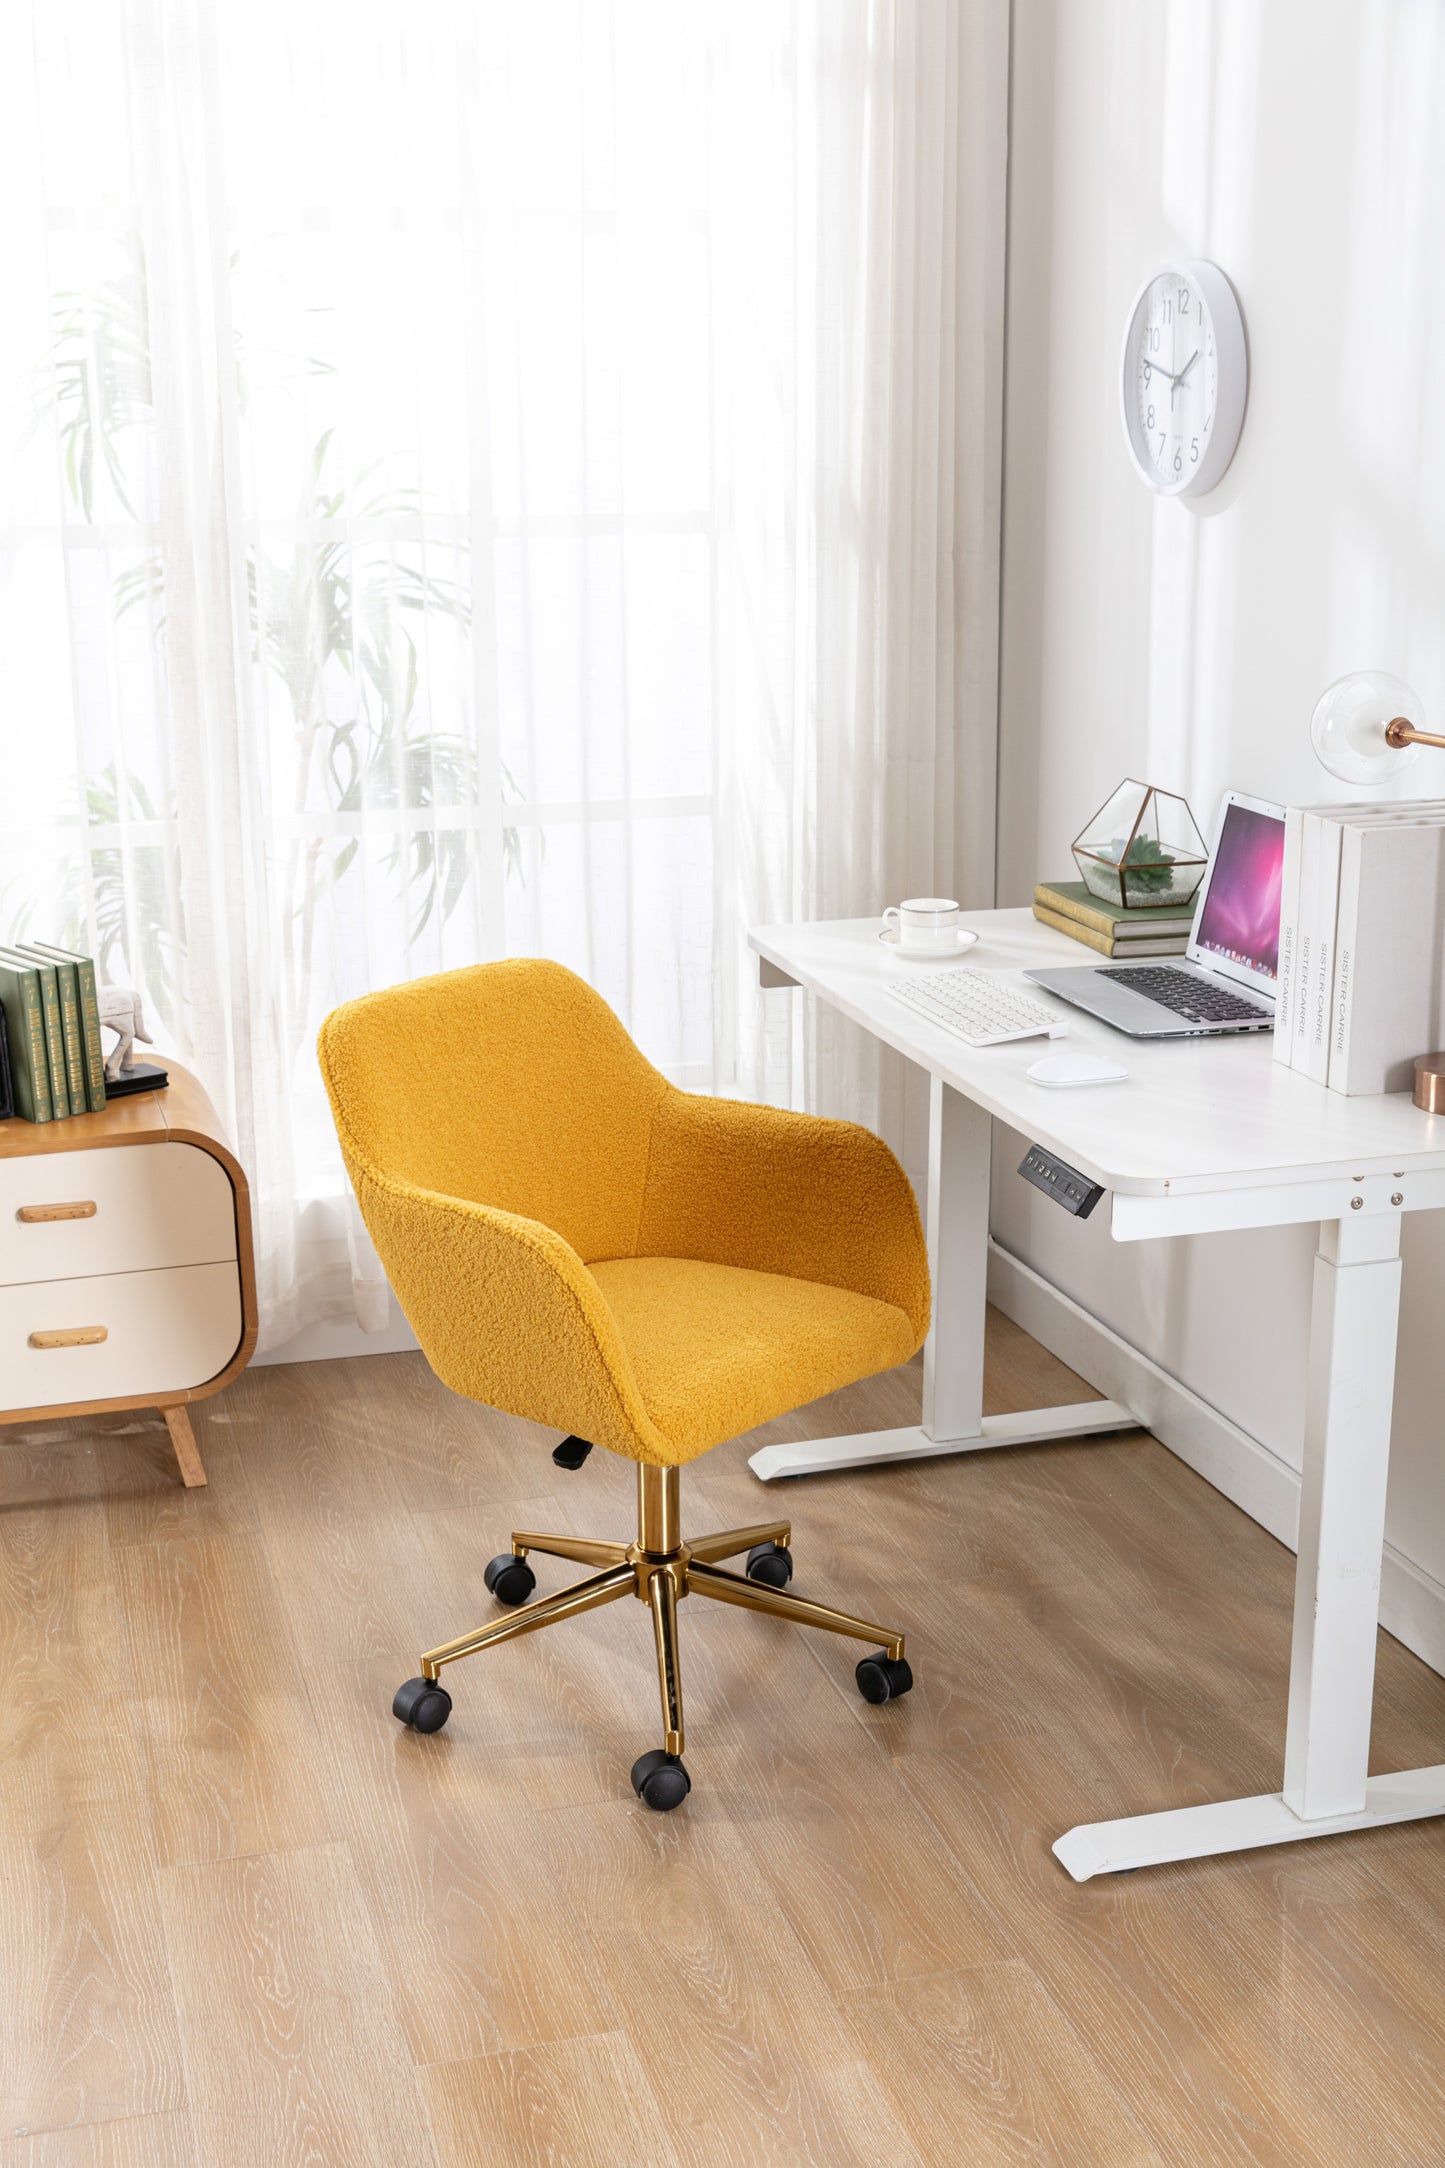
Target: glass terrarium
1142 850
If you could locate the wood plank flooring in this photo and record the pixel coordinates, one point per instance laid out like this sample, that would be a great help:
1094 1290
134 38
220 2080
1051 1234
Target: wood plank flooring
248 1922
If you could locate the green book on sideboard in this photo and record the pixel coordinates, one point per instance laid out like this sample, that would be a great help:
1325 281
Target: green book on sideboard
25 1031
92 1052
54 1032
67 985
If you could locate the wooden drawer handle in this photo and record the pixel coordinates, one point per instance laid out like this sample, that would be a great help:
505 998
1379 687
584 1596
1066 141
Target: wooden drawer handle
70 1336
82 1208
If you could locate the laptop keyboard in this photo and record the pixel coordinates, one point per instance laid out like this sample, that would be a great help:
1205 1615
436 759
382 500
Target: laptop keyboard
1198 1001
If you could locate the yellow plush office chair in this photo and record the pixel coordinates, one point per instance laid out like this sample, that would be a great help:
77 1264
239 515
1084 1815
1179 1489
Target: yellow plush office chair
576 1241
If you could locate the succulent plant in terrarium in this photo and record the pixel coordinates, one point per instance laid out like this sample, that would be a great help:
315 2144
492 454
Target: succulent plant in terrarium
1142 850
1151 867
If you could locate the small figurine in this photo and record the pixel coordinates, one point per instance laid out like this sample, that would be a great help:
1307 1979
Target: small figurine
120 1012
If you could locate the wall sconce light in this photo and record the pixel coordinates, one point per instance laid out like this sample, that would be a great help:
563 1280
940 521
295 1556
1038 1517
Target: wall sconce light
1366 727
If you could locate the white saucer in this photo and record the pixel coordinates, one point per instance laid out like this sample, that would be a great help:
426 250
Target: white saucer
967 939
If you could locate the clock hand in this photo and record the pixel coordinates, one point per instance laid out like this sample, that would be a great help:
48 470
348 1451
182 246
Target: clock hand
1176 381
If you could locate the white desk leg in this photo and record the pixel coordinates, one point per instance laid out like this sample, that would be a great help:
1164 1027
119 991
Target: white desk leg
959 1151
1337 1592
1348 1399
959 1140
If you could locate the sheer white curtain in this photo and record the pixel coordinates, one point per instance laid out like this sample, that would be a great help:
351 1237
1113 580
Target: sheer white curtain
483 479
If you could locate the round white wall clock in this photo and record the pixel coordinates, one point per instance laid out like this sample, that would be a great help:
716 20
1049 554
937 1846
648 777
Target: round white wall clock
1182 378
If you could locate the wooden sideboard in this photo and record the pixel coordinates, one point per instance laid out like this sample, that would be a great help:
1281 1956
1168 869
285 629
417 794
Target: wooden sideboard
127 1276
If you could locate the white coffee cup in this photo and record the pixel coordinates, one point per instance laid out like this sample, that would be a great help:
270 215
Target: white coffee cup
927 925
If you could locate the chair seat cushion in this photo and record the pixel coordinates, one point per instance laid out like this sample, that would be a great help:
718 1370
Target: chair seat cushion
716 1349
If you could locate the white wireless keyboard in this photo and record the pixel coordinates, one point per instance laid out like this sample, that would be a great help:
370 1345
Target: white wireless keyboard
978 1007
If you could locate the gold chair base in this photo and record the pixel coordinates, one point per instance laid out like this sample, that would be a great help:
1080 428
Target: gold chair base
659 1569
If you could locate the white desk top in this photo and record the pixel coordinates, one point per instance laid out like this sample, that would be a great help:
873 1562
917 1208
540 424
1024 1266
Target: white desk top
1194 1114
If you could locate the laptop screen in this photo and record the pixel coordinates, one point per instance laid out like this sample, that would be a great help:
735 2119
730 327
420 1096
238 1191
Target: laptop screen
1238 922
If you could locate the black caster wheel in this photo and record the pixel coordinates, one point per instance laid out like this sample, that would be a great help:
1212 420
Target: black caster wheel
660 1781
770 1563
883 1677
422 1705
511 1580
571 1452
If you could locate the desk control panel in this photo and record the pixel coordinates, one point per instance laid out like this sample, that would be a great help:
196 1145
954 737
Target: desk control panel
1074 1191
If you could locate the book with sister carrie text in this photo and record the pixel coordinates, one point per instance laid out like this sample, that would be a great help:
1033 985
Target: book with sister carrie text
1361 976
1388 994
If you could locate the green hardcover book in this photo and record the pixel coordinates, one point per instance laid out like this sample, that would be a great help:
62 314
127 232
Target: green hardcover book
93 1052
1071 899
54 1035
25 1031
1164 944
67 985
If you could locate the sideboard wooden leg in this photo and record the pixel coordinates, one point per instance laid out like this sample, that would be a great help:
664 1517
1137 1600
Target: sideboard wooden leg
183 1442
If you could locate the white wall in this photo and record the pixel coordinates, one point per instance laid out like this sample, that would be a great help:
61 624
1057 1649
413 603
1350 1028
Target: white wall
1298 144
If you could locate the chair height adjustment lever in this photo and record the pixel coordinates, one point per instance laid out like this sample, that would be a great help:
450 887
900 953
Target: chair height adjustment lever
571 1452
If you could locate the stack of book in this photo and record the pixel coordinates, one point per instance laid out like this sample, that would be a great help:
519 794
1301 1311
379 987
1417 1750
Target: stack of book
51 1032
1361 943
1071 908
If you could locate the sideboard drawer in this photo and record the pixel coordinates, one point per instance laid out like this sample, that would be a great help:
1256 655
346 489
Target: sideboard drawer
118 1210
165 1331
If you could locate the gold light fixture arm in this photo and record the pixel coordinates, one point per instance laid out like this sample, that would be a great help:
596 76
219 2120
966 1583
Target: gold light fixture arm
1399 734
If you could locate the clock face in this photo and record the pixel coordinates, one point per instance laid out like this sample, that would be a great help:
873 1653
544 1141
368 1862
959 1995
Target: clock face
1182 379
1176 380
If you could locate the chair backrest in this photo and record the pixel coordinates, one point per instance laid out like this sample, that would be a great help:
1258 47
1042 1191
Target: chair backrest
510 1084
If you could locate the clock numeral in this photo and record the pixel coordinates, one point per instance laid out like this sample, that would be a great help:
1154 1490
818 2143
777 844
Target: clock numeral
1153 338
1178 460
1149 419
1168 312
1161 444
1148 373
1184 300
1193 448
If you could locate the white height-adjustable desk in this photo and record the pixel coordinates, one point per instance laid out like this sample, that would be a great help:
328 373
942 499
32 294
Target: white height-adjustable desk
1206 1134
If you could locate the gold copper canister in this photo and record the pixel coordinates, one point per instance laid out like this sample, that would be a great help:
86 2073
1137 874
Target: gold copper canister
1430 1082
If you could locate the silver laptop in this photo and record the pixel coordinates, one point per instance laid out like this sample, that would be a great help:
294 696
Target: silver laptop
1226 980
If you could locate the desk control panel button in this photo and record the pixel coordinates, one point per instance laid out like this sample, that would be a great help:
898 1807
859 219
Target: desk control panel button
1074 1191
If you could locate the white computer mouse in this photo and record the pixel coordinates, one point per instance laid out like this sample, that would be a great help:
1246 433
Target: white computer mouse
1060 1070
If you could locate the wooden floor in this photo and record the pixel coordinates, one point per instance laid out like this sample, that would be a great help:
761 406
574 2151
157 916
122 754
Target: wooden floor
247 1922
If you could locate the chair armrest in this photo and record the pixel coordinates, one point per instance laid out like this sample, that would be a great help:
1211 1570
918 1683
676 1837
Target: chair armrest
733 1184
507 1313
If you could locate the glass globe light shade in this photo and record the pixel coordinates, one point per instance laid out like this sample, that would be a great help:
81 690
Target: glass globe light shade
1347 728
